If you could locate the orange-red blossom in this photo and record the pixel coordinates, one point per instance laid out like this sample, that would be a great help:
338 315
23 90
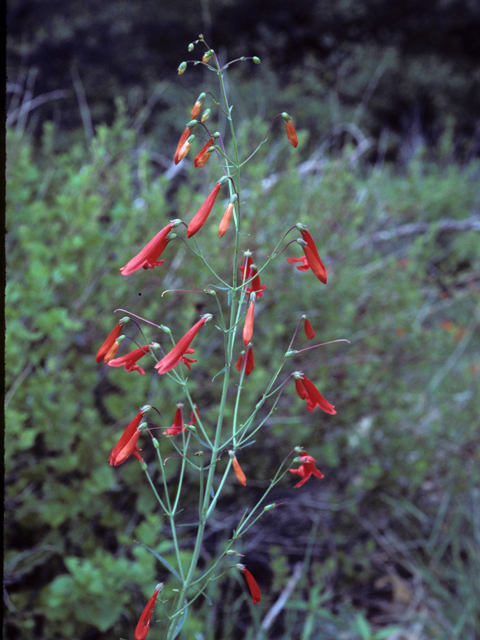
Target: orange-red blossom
248 326
178 424
291 133
250 272
202 156
110 341
307 325
251 582
127 445
176 355
129 360
306 469
247 360
237 469
182 150
148 256
202 214
309 392
143 625
311 260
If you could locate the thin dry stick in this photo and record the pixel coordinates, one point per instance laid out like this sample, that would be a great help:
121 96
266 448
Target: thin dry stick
282 600
82 104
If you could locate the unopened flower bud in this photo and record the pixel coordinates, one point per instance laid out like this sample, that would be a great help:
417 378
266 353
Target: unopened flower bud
206 115
181 68
256 60
207 55
197 107
156 443
143 464
269 507
165 329
190 46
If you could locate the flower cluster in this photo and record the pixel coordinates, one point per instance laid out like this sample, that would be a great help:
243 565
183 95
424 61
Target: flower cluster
246 292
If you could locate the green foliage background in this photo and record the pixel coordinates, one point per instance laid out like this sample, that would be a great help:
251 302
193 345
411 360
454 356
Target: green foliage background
399 503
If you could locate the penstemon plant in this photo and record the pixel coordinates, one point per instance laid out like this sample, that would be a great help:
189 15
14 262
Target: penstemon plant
200 446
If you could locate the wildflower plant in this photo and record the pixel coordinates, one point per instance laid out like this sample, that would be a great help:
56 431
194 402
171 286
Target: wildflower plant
211 452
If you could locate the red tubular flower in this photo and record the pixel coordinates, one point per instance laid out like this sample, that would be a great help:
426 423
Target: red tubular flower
202 156
110 341
129 360
183 138
249 270
143 625
311 254
175 356
178 425
248 326
197 107
309 392
291 133
309 332
202 214
252 583
185 148
237 469
112 352
306 469
225 222
127 445
246 360
148 256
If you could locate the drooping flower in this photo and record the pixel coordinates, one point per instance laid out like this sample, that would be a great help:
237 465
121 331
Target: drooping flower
129 360
308 391
237 469
143 625
311 255
185 148
291 133
202 214
247 360
197 107
202 156
176 355
250 271
248 326
252 584
127 445
109 342
148 256
183 139
178 425
307 325
227 216
112 352
306 469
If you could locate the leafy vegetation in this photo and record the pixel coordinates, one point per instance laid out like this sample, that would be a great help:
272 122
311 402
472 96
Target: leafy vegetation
388 541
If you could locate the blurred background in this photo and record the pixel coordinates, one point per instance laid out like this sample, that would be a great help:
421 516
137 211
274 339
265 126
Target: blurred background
385 97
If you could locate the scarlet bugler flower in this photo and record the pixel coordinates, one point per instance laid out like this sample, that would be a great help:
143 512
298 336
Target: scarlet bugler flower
227 216
148 256
143 625
306 469
127 445
247 360
252 583
176 355
202 214
183 139
109 342
129 360
197 107
178 424
309 392
312 259
307 325
237 469
202 156
291 133
250 272
248 326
